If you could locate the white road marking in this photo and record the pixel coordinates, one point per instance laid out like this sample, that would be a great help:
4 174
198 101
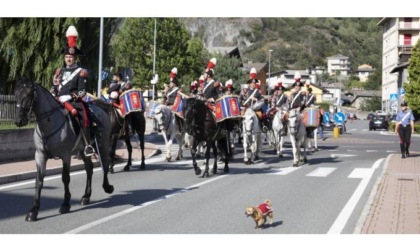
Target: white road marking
342 155
371 150
135 208
343 217
321 172
390 151
284 171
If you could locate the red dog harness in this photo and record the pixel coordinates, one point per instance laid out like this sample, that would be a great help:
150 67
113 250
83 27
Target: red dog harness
265 208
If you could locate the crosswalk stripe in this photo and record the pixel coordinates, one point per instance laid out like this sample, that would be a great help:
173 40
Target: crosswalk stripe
321 172
284 171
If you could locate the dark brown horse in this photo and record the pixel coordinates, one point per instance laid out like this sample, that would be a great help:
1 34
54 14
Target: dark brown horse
121 130
201 124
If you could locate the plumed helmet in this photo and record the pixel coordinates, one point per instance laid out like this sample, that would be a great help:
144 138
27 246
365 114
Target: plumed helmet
194 85
229 83
71 47
297 76
252 76
174 72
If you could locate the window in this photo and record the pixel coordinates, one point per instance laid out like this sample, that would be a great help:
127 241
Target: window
407 39
408 22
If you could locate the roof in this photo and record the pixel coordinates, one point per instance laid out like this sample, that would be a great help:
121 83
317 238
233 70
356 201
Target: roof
365 68
338 56
258 66
399 67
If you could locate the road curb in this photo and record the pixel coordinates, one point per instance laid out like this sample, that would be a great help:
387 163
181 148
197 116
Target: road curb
366 209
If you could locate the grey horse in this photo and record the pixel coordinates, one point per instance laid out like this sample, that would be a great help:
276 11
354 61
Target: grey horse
56 137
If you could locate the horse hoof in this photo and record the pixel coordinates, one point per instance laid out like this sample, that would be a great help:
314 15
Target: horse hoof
84 201
305 160
126 168
168 159
280 155
256 158
31 216
64 209
197 172
178 158
226 169
111 170
295 165
108 189
142 166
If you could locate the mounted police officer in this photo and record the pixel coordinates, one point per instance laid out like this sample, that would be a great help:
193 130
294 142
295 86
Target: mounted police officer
211 88
297 97
404 128
70 83
172 90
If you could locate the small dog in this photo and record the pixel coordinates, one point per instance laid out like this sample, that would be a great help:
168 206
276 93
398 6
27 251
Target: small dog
260 213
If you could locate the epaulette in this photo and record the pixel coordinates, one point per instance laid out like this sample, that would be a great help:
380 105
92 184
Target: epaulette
84 73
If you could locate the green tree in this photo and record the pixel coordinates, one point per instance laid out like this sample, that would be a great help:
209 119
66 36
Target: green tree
374 81
31 46
229 68
372 104
412 88
134 46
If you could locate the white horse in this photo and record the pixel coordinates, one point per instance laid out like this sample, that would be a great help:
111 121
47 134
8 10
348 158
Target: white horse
167 124
277 131
297 134
251 135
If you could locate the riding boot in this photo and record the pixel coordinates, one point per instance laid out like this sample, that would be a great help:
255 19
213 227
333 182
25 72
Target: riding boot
402 150
407 153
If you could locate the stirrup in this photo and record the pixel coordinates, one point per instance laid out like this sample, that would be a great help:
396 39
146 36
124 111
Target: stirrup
89 151
264 129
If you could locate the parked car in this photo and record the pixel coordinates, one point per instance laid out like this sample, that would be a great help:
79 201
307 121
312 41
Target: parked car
378 122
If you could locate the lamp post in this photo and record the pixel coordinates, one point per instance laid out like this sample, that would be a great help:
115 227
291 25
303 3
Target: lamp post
269 67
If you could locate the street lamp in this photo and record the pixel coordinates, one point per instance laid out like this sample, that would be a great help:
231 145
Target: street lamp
269 67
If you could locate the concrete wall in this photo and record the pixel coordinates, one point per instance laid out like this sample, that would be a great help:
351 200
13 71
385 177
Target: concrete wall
16 145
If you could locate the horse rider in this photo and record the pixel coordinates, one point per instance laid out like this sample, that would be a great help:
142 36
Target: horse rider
297 97
171 93
229 87
279 101
211 88
69 84
194 89
243 96
404 128
255 97
310 100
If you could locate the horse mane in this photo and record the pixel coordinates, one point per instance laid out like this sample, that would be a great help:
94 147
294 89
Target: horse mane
103 105
195 113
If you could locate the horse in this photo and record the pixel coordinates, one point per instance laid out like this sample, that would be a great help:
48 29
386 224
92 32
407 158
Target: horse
251 131
188 142
202 125
168 125
297 133
56 137
121 129
278 123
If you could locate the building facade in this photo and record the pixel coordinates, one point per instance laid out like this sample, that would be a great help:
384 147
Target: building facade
338 63
363 72
399 36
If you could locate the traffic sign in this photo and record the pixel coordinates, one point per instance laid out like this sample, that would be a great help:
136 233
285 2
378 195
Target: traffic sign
326 118
393 97
339 117
402 91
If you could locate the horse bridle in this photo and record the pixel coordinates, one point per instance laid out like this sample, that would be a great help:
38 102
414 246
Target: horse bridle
163 119
20 105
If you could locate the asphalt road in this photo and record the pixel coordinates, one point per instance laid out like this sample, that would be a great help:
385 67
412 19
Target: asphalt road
168 198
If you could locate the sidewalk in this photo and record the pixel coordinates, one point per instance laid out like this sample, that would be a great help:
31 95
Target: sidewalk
394 204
